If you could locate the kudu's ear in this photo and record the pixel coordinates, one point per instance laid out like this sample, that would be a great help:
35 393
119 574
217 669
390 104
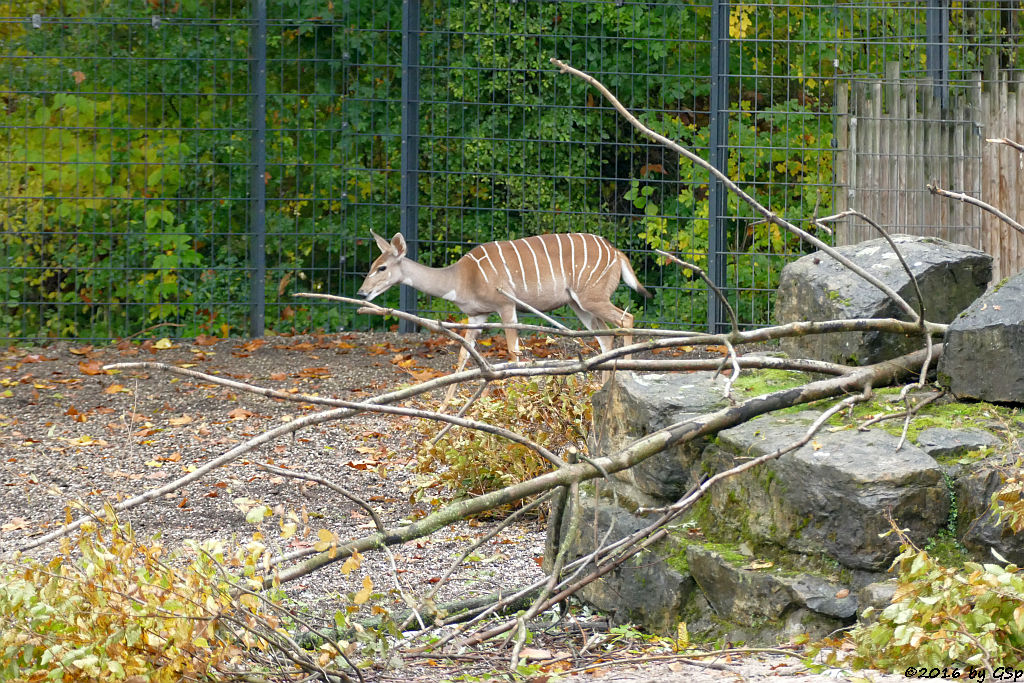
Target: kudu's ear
398 244
382 243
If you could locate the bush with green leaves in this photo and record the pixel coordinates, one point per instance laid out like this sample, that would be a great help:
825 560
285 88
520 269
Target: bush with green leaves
108 607
554 412
941 616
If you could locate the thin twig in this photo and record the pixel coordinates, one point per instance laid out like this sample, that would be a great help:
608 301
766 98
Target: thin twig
462 411
707 280
968 199
892 245
433 326
332 486
863 427
479 542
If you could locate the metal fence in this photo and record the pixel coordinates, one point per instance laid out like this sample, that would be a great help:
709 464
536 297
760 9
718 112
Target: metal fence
183 168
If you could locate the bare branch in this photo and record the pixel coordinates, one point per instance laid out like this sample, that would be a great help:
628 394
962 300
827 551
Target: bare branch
432 325
1008 142
967 199
704 276
899 255
332 486
768 215
873 375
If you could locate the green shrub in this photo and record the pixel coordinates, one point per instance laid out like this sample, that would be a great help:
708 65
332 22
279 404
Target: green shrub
108 608
942 617
553 412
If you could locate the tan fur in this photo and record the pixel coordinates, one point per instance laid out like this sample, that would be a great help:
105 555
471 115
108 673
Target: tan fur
544 271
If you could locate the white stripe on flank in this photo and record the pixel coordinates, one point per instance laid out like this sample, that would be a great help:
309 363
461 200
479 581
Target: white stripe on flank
494 266
522 270
503 258
597 261
609 258
561 260
579 273
572 268
605 271
536 265
551 266
479 267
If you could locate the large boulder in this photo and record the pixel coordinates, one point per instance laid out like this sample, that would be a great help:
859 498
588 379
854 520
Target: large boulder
835 494
984 354
632 405
753 591
650 592
817 287
786 547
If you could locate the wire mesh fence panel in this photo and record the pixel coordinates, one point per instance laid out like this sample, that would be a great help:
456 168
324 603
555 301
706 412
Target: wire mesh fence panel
123 157
184 168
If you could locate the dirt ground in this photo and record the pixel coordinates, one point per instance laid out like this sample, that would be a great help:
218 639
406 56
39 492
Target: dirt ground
71 431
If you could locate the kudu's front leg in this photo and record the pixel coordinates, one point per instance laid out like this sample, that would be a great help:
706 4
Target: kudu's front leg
470 337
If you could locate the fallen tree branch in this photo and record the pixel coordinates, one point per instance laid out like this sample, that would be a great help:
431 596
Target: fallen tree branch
879 374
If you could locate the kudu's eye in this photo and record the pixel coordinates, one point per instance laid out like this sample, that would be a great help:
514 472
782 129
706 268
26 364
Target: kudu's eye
382 269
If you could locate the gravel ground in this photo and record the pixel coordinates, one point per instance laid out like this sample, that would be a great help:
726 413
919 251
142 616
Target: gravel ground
71 431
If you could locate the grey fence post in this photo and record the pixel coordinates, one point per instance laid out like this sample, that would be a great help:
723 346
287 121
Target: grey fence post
258 167
937 48
410 147
719 158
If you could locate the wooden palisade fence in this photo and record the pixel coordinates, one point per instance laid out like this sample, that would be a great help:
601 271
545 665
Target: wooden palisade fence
893 139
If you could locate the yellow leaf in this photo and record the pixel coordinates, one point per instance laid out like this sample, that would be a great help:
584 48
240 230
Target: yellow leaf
327 540
351 564
164 343
364 593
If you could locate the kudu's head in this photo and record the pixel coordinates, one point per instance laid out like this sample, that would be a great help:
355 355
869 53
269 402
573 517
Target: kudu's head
387 269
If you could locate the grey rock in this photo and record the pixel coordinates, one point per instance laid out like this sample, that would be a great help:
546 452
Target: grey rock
742 595
649 592
832 495
877 595
822 596
817 287
980 534
631 405
737 594
940 442
984 353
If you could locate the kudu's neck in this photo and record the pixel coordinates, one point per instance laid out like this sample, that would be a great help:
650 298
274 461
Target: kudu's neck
434 281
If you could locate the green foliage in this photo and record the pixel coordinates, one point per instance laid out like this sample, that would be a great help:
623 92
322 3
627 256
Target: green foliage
946 617
554 412
110 608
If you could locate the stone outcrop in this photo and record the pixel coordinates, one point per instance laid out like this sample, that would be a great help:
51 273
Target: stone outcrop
790 547
984 354
643 403
940 442
834 494
817 287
